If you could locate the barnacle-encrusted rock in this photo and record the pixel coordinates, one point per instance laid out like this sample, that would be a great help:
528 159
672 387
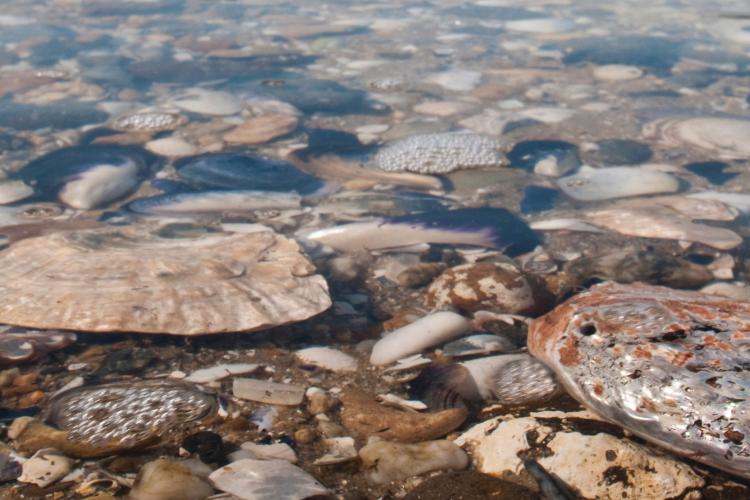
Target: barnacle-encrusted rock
363 416
440 153
670 366
150 121
132 280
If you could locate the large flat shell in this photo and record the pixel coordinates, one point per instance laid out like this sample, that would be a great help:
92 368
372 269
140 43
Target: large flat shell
130 280
669 365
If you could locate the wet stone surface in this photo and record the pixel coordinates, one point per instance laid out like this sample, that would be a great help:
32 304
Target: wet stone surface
397 250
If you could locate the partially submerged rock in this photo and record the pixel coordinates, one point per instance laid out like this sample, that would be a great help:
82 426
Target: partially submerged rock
83 280
667 365
23 346
363 416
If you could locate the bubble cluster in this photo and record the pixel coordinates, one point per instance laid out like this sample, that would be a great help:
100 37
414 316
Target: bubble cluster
439 153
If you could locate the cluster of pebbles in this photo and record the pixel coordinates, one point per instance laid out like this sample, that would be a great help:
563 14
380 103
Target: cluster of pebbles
256 250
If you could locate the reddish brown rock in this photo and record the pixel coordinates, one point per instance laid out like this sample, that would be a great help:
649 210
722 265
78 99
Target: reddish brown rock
262 129
365 417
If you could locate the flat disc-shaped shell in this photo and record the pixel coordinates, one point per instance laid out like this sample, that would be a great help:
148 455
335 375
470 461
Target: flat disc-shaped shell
130 280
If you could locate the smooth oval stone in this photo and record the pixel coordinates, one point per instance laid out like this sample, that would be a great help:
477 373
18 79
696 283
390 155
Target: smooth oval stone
549 157
591 184
245 171
208 102
60 115
88 176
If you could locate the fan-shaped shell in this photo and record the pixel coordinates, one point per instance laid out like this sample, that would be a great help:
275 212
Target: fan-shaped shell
131 280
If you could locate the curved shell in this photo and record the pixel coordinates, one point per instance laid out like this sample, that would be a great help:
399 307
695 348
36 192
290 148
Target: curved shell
130 280
671 366
726 137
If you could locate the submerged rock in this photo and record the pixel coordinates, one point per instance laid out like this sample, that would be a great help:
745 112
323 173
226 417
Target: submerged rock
629 265
246 171
385 462
621 152
655 53
363 416
202 202
667 365
148 121
250 479
469 485
551 158
262 129
592 462
165 479
217 282
89 176
492 286
439 153
45 468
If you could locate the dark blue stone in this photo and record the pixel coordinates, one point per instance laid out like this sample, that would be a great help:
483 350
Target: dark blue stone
713 171
538 199
527 154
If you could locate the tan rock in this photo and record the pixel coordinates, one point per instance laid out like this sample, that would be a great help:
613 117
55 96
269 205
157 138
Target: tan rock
131 279
262 129
29 435
385 462
364 416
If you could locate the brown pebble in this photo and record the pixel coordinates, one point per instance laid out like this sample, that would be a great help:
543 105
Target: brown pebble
363 416
262 129
469 485
31 399
26 379
305 435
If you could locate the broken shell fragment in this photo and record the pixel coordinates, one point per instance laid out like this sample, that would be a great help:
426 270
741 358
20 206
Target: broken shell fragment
83 280
267 392
363 416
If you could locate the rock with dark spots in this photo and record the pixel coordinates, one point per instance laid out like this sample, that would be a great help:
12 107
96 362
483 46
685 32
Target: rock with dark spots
491 286
580 454
59 115
469 485
364 417
629 265
621 152
420 274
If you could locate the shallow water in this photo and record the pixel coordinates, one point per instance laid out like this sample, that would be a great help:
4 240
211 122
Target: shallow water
391 139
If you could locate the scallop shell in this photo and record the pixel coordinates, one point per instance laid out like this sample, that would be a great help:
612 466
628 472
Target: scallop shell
726 137
130 280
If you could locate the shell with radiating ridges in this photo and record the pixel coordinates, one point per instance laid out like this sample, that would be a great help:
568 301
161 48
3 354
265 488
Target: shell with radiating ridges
725 137
131 280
